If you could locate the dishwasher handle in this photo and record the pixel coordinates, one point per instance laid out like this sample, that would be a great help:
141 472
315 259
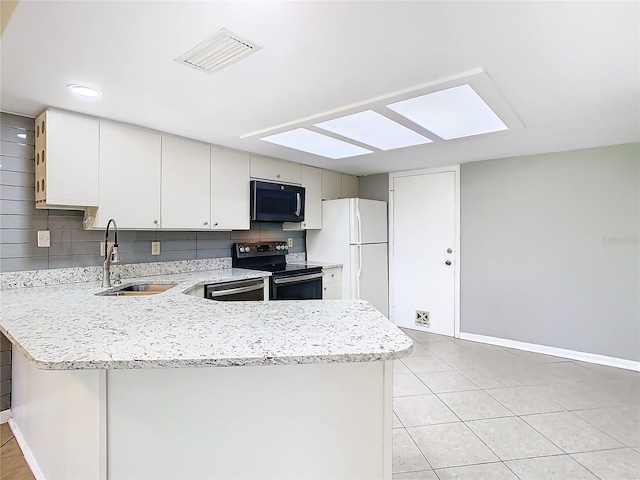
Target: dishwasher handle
231 291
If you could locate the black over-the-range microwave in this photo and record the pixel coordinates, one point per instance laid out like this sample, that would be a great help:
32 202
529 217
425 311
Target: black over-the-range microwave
276 202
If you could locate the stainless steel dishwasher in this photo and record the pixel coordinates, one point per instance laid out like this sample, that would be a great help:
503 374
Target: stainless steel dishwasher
236 291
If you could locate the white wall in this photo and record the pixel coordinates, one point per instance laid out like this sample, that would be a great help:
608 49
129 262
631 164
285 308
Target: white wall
550 250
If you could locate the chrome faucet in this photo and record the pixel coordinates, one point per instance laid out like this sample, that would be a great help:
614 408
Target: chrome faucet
110 253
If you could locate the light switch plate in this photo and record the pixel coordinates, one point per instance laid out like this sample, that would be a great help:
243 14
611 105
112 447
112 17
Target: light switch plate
155 248
44 238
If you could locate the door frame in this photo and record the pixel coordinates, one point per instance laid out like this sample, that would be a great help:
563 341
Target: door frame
456 249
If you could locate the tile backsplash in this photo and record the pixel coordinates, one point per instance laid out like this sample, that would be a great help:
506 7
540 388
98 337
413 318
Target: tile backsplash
71 245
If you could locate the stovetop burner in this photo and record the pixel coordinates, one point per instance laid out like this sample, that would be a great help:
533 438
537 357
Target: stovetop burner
267 256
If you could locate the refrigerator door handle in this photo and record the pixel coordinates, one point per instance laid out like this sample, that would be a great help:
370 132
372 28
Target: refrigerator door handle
359 267
359 239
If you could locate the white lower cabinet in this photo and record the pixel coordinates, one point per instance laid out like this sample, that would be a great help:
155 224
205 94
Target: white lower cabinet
129 177
332 283
230 176
186 181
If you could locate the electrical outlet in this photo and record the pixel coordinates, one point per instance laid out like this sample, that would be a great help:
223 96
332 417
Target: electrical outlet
290 242
102 251
423 318
44 238
155 248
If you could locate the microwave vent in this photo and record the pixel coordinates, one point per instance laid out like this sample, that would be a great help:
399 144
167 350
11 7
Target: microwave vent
218 51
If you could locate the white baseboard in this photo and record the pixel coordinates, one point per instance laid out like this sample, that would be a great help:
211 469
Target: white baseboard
5 415
26 451
556 352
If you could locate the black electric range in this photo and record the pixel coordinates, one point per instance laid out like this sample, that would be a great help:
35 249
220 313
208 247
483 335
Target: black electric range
288 281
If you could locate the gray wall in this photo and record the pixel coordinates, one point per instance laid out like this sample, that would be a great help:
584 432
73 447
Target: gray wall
71 245
550 249
374 187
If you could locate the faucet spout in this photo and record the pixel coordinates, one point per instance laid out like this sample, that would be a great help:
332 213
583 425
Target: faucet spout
110 253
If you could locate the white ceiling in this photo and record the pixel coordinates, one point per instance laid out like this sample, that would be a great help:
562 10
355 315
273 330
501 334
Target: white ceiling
568 72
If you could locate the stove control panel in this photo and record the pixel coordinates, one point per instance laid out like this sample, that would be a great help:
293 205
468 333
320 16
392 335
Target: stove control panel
263 249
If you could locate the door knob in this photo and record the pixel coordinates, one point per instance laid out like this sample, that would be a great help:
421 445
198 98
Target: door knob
448 262
449 250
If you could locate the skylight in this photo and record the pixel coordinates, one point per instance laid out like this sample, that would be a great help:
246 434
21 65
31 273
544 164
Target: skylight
452 113
373 129
316 143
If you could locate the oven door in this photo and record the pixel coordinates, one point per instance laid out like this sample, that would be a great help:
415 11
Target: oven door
307 286
274 202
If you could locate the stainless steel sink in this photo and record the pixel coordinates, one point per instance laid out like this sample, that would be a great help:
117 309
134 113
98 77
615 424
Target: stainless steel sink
139 289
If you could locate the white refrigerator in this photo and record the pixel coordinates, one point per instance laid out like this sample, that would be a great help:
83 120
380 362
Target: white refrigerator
354 233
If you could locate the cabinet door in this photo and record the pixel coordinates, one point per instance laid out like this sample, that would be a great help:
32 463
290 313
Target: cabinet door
312 182
349 186
275 170
229 189
186 180
129 177
332 291
71 160
331 185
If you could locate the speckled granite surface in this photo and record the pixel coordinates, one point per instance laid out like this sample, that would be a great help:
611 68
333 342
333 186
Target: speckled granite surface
317 264
65 327
57 276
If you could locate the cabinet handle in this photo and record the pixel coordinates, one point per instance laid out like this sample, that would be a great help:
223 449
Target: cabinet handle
278 176
215 224
205 223
156 222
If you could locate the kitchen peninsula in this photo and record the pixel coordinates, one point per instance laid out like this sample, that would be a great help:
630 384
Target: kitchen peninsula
131 387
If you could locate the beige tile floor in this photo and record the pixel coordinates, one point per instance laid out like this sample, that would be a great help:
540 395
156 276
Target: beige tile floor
466 410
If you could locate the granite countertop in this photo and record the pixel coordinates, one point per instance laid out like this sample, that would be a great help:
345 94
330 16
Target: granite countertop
69 327
317 264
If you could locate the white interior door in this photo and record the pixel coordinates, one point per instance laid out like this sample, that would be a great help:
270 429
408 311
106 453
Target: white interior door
424 251
369 272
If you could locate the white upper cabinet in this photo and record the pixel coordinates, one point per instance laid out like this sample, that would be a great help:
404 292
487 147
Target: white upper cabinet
186 180
275 170
312 183
349 186
66 161
229 189
338 185
129 177
331 185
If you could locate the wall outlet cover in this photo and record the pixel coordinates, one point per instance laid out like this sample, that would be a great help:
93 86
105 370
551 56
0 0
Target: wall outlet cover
290 242
155 248
102 251
44 238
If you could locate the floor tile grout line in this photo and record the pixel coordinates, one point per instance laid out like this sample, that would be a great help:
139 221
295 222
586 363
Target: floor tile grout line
579 418
419 449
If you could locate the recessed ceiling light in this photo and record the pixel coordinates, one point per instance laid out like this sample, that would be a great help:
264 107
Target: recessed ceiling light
316 143
374 129
452 113
84 91
21 135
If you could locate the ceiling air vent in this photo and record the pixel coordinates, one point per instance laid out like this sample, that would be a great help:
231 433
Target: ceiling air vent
218 51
